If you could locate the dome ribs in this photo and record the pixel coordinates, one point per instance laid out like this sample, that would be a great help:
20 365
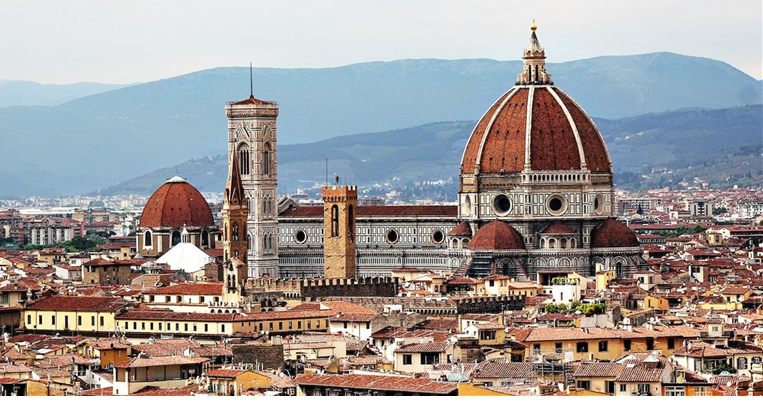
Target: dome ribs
504 147
176 204
596 155
554 147
472 150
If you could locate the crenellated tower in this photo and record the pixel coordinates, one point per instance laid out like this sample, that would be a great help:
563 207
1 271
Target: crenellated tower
339 245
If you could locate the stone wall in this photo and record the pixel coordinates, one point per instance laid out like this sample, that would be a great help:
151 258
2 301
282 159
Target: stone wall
312 289
268 356
489 304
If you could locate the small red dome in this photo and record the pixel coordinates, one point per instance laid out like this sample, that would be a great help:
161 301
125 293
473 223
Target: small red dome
497 235
175 204
462 229
611 233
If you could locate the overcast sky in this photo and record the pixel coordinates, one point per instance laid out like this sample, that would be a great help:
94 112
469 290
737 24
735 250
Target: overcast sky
116 41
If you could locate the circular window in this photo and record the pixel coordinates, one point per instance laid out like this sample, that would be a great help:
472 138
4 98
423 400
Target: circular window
438 237
501 205
556 204
392 236
300 236
598 204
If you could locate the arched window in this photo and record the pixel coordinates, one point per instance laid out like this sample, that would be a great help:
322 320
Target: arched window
619 268
175 237
351 222
148 239
243 159
266 159
235 233
205 238
334 221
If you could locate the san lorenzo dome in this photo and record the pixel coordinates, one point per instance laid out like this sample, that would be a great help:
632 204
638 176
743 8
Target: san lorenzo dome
176 204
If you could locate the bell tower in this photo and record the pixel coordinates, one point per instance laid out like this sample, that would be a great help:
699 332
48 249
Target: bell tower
235 214
252 141
339 245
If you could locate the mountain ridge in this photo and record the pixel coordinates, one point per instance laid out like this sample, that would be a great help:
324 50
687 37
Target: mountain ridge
83 144
374 158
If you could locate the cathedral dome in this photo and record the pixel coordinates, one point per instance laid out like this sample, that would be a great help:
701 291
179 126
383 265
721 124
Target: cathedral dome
496 235
611 233
175 204
535 126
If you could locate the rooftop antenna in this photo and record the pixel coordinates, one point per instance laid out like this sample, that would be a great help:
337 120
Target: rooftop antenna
327 172
251 86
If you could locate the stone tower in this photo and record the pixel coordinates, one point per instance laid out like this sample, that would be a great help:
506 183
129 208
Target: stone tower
339 246
235 214
252 139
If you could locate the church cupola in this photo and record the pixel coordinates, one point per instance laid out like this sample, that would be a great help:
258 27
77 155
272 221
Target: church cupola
534 57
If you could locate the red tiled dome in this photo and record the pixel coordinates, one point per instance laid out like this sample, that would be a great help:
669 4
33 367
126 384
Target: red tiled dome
558 227
462 229
496 235
611 233
561 135
176 203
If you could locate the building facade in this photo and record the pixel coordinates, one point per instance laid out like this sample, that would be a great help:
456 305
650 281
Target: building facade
252 138
536 193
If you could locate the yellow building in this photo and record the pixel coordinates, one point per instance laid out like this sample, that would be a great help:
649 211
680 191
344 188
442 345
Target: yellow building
658 303
517 288
603 277
290 322
78 314
470 389
603 344
234 382
154 322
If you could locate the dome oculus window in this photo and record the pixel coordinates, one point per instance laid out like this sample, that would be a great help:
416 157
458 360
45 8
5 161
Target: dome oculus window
556 204
392 236
598 204
300 237
438 237
501 205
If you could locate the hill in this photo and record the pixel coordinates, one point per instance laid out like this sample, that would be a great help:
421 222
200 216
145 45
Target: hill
721 147
25 93
102 139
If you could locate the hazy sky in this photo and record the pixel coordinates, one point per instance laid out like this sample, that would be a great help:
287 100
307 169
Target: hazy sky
116 41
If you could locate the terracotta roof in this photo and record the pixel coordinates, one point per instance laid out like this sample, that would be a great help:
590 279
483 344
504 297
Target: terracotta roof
448 324
362 317
80 303
207 289
499 139
378 382
558 227
141 362
379 211
188 390
252 100
734 291
290 315
496 235
612 233
462 229
180 316
176 204
99 262
225 373
504 370
424 347
598 369
8 368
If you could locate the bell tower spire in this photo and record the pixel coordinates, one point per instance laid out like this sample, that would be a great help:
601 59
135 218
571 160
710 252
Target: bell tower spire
534 57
